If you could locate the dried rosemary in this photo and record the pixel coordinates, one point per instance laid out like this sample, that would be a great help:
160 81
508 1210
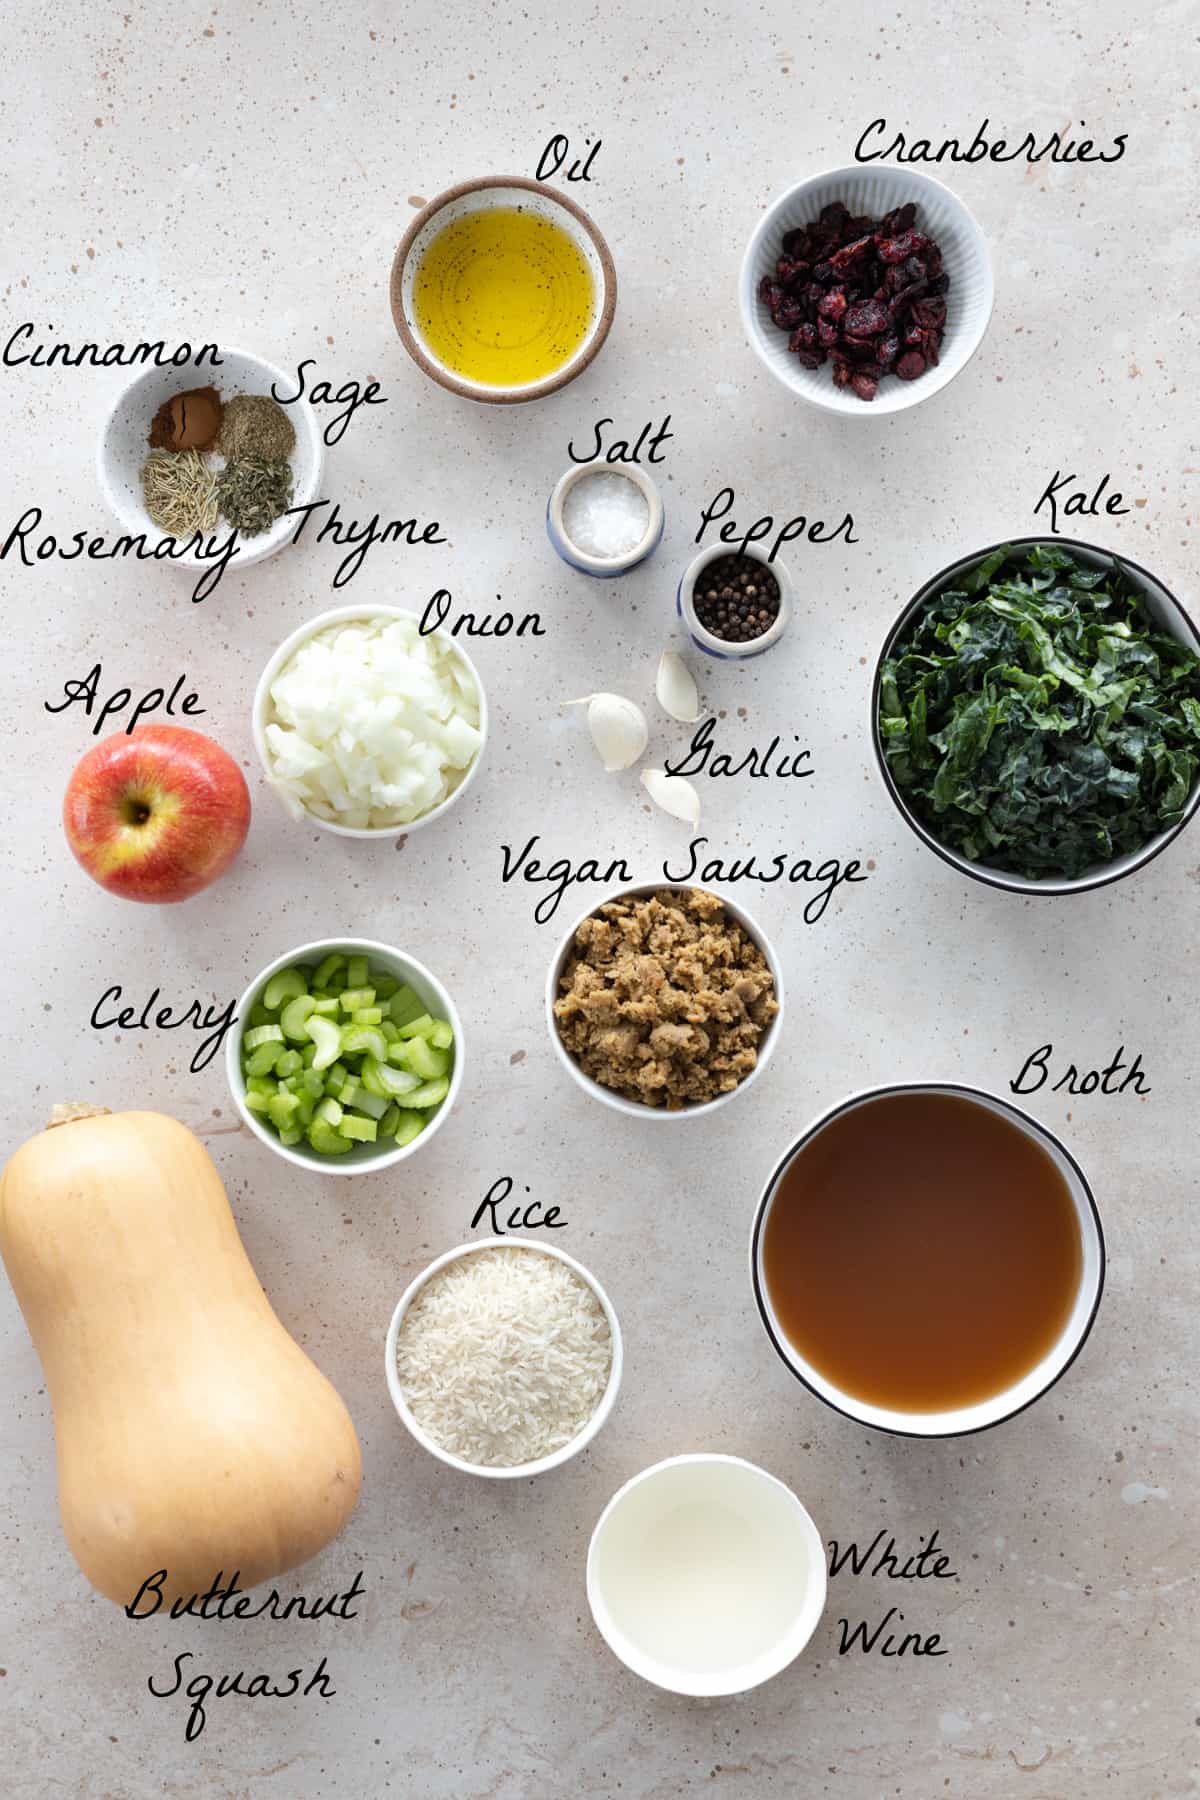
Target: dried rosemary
180 491
253 491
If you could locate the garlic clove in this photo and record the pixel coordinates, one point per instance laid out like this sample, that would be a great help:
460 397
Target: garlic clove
676 689
618 728
675 795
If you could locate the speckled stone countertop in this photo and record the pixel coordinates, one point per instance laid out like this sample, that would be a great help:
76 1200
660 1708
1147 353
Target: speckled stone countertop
243 174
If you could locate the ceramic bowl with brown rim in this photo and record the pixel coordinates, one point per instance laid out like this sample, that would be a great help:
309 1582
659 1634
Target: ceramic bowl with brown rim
493 191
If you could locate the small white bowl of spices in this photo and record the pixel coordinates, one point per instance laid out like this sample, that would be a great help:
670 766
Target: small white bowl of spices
503 1358
604 521
735 604
193 452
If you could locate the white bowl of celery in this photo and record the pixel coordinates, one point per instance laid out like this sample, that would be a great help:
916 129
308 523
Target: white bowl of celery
346 1056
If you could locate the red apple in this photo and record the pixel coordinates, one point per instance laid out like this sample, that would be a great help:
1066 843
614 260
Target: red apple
157 813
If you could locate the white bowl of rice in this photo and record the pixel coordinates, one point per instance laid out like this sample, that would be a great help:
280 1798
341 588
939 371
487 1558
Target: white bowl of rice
367 726
504 1358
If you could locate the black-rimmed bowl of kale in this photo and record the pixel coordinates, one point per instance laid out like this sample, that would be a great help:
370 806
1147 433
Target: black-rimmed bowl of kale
1036 715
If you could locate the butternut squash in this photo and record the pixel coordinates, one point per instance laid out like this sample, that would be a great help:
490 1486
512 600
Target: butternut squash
192 1432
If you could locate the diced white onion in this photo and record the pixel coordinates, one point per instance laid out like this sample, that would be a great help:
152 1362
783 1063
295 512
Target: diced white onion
372 725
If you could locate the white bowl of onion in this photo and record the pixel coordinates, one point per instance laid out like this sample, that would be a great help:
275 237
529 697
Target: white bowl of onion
365 725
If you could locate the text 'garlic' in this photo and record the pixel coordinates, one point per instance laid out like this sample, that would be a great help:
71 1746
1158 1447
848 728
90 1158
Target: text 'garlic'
618 728
677 692
675 795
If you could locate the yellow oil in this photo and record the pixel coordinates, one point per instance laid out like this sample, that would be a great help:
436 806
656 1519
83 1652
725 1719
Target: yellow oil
503 296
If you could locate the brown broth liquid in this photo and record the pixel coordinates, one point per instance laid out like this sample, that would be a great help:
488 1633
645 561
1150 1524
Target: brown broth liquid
922 1253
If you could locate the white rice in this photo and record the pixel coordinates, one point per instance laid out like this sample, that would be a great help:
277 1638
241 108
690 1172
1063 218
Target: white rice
503 1356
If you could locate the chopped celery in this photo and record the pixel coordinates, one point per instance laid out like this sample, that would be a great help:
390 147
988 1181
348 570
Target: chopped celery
264 1059
294 1018
326 1141
418 1027
408 1126
424 1061
393 1082
432 1093
352 998
288 984
374 1105
405 1005
362 1129
340 1054
358 1038
327 1038
328 968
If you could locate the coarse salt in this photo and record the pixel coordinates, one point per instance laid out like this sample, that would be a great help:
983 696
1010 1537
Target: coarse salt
605 515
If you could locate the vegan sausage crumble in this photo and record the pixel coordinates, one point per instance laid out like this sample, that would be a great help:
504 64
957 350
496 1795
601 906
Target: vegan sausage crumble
664 998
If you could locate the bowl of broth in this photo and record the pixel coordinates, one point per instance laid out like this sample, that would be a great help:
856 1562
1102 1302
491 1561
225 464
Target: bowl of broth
503 289
927 1259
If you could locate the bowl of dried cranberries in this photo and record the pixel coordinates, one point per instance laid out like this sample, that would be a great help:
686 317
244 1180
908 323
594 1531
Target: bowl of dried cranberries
865 290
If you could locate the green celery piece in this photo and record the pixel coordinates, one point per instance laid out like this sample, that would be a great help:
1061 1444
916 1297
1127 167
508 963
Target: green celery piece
367 1015
327 1040
356 971
418 1027
423 1060
312 1081
259 1015
363 1129
385 986
374 1105
329 1110
336 982
261 1084
351 998
306 1106
308 1054
346 1093
396 1082
404 1005
257 1103
326 1141
442 1035
368 1075
264 1059
368 1038
327 1007
294 1018
389 1121
291 1134
288 984
290 1083
336 1077
262 1034
432 1093
390 1031
408 1126
328 968
280 1108
289 1062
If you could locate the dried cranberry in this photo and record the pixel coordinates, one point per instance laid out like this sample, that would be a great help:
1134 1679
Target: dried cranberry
866 318
845 259
827 333
914 269
833 305
835 213
889 350
896 249
785 268
788 314
770 293
910 365
864 385
822 272
841 373
899 219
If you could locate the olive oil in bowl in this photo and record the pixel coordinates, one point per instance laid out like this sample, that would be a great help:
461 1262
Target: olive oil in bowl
503 297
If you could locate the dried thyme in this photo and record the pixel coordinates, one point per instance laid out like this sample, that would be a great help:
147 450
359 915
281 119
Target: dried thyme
253 491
